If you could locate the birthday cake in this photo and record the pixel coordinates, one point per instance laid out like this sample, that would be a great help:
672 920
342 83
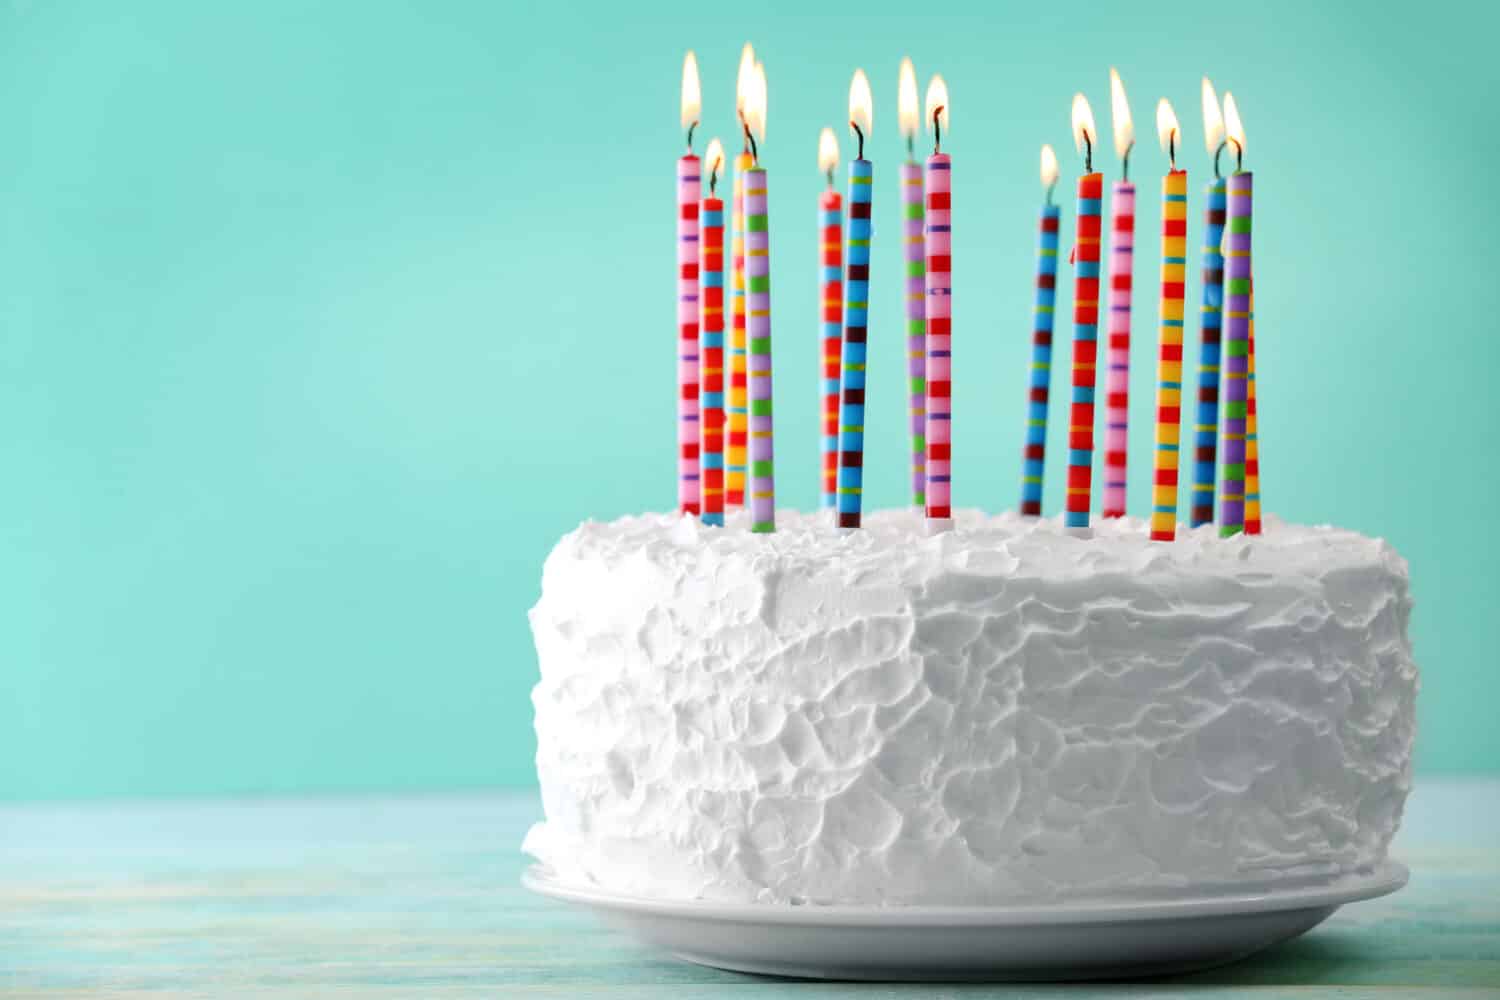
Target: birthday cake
1005 712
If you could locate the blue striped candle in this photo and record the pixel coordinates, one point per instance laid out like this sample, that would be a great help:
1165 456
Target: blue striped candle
1034 454
856 316
1206 428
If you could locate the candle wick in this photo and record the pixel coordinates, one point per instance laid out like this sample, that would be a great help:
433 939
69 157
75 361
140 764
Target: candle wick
750 146
1172 148
829 175
1051 188
1125 163
1239 156
937 129
691 129
1088 152
1217 152
713 178
911 146
861 136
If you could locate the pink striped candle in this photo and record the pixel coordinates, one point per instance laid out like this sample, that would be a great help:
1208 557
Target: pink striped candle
1117 375
938 248
689 184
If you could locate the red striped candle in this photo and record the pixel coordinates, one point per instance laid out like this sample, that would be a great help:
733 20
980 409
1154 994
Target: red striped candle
711 281
831 283
1085 323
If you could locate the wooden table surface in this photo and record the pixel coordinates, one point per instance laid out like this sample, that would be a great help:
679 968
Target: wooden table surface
418 896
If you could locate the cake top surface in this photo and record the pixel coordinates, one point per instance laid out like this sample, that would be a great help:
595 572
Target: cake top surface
1006 544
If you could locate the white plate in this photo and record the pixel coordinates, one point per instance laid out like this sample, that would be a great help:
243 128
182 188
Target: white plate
1140 937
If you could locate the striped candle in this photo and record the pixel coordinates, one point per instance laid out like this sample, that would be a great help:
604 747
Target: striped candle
758 289
1236 353
1117 374
1169 356
937 186
1206 428
912 243
1034 453
831 278
1252 435
739 412
688 188
1085 350
856 316
712 272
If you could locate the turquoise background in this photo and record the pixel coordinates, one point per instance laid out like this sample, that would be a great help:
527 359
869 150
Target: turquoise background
319 323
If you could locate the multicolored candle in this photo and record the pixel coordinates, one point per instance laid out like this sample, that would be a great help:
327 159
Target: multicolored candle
1121 274
856 311
937 187
739 407
739 411
1237 269
1206 426
1252 435
1169 354
711 272
689 499
914 282
831 283
758 288
1085 321
1034 452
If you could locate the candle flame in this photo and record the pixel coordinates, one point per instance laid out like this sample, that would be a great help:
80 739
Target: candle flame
906 101
713 159
1213 118
1167 127
1083 123
743 79
1119 113
1049 166
828 151
692 94
937 101
861 104
755 103
1234 128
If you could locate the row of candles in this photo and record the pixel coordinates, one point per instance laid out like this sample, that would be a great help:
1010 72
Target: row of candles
725 439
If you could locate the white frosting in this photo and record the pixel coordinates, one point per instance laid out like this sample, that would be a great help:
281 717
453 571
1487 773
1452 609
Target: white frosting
1000 712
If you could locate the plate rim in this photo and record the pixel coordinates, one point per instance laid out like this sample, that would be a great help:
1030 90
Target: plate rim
1384 878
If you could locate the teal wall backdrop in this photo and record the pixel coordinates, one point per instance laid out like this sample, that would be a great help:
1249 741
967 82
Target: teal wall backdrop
319 323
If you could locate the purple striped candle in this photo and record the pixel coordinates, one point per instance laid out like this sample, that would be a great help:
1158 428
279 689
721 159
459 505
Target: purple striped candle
1236 353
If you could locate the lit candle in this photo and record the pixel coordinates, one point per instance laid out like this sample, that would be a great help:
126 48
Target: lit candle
1237 270
711 270
938 229
914 285
739 412
1085 321
1169 355
1034 453
1121 272
688 186
831 281
758 307
856 310
1206 427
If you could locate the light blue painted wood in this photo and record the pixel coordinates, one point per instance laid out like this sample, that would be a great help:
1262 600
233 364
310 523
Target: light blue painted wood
418 896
